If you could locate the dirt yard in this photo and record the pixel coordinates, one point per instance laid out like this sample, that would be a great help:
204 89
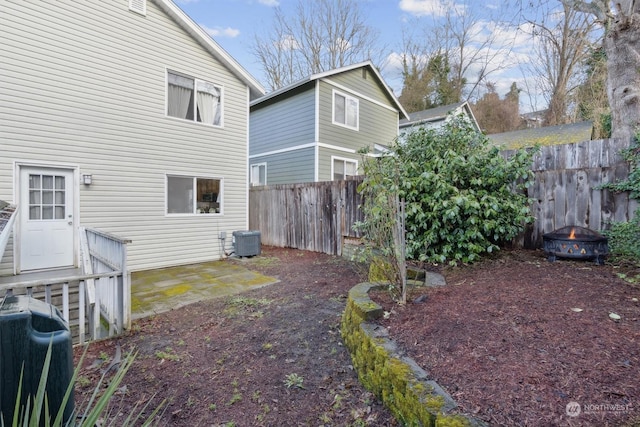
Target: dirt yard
268 357
514 340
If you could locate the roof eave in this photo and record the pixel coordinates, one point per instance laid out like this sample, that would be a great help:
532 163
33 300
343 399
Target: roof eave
195 31
325 74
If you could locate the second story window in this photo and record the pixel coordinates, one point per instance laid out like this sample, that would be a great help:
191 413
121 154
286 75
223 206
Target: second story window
345 110
192 99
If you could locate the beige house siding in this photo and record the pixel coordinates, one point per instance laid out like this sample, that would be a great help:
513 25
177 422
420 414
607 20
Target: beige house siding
84 85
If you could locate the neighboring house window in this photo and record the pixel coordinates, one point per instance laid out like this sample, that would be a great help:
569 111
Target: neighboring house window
193 195
345 110
259 174
342 168
192 99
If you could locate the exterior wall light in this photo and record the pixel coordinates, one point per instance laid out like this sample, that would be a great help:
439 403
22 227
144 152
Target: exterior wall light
86 179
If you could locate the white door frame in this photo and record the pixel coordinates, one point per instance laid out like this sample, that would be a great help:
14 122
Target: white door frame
75 169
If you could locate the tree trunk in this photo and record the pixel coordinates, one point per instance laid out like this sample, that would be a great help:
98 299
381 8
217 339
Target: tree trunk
622 46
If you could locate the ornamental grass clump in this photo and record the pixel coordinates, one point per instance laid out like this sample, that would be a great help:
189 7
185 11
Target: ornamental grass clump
36 411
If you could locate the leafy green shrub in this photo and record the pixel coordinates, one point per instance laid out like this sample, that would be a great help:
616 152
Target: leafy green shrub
463 198
624 237
624 240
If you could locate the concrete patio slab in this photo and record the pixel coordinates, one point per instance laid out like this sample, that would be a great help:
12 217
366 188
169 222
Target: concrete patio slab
157 291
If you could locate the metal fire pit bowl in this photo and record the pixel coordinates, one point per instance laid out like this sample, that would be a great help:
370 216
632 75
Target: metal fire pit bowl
575 242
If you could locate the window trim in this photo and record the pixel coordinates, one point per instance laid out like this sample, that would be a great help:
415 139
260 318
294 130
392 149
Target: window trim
346 101
343 159
195 200
196 80
251 173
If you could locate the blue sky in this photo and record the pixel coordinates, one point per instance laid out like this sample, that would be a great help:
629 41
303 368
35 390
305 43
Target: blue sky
234 23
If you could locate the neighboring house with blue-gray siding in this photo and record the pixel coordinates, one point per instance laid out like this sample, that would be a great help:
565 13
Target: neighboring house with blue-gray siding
434 118
312 130
122 116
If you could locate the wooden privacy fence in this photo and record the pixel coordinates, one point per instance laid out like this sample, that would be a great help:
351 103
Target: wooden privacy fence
317 216
565 189
312 216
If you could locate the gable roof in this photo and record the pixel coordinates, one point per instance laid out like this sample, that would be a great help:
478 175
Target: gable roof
437 114
201 36
325 74
550 135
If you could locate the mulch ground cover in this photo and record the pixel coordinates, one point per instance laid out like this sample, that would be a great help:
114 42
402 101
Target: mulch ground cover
515 340
520 341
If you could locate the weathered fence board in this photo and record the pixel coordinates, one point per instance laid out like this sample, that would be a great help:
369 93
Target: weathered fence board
317 216
312 216
565 190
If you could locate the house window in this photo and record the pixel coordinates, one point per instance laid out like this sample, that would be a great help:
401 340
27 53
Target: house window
193 195
193 99
342 168
259 174
345 110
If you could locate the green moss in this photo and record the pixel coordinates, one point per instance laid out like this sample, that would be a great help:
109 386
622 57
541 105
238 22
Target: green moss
177 290
434 403
412 401
380 270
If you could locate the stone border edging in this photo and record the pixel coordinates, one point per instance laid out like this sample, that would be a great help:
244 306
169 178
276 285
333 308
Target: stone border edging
394 378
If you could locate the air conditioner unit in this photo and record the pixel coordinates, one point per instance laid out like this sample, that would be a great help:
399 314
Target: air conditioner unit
246 243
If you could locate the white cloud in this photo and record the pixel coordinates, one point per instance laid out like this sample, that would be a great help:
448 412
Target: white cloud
222 32
427 7
271 3
392 72
289 43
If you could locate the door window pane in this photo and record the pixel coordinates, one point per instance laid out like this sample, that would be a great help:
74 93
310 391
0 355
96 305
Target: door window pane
59 182
59 212
47 197
47 182
47 212
45 201
59 197
34 181
34 197
34 212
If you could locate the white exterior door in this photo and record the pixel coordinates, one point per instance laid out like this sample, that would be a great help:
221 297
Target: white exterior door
46 218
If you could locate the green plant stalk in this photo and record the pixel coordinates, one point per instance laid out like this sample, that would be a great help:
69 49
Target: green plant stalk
30 415
90 418
40 394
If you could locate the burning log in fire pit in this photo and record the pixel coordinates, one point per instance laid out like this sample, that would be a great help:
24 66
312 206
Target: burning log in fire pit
575 242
